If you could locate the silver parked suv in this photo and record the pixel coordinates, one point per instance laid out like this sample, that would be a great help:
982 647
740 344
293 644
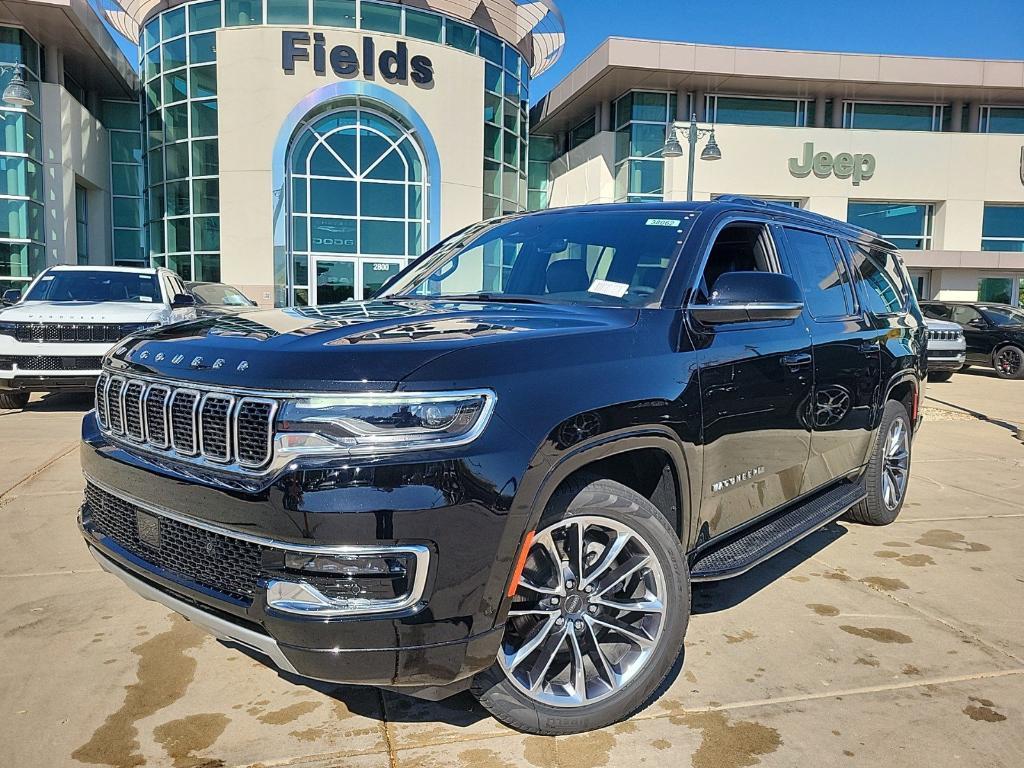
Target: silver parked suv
947 349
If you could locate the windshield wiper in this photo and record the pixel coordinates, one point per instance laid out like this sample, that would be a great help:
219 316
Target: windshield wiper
498 298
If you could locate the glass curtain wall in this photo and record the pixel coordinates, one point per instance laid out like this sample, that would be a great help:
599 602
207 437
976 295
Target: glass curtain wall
753 110
1002 120
1002 228
22 237
642 119
180 97
121 119
506 125
542 152
895 117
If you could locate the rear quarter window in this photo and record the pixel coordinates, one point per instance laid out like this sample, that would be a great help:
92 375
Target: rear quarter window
823 274
880 279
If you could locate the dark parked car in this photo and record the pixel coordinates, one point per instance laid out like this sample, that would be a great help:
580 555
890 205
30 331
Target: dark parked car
504 472
219 299
994 333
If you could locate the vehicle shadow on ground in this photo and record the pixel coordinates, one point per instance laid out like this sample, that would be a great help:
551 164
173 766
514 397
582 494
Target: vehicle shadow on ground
715 596
62 402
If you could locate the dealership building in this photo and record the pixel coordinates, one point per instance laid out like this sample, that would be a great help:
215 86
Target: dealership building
305 150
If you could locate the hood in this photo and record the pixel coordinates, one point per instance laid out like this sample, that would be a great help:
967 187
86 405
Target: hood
82 312
353 346
941 325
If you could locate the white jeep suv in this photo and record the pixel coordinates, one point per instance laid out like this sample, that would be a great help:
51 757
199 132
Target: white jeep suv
56 334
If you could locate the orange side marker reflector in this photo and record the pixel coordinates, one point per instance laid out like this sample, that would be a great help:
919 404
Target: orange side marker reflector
524 552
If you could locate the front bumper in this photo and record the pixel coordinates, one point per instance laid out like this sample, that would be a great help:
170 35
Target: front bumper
453 631
946 360
45 366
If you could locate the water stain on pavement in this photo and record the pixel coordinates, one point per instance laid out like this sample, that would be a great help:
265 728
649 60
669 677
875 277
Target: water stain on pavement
878 634
868 661
746 634
288 714
823 610
661 744
590 750
164 673
483 758
881 582
726 744
182 738
540 751
951 540
983 710
837 576
899 544
914 561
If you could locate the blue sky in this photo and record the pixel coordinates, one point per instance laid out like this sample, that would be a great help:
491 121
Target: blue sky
964 28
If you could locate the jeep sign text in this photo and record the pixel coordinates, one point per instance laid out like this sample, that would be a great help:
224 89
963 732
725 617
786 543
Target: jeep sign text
843 166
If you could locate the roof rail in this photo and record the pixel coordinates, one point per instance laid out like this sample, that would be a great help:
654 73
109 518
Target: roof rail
800 213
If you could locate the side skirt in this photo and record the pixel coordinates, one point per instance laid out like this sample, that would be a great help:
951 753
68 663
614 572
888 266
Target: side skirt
739 553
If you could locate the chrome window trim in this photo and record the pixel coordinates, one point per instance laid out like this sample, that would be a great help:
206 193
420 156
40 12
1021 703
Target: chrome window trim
270 430
164 407
228 431
420 552
194 451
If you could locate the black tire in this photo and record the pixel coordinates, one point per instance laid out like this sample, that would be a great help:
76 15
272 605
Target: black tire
874 509
940 376
512 704
17 400
1008 362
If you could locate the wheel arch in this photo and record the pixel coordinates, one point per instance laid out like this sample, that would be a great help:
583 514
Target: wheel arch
610 456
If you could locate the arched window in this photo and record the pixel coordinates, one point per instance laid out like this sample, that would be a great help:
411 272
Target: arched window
357 203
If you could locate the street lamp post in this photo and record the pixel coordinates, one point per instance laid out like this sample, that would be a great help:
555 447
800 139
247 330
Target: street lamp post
673 148
16 93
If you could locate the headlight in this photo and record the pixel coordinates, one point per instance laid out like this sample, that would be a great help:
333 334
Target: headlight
386 423
8 328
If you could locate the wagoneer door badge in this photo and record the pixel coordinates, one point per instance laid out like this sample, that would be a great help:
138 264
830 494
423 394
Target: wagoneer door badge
742 477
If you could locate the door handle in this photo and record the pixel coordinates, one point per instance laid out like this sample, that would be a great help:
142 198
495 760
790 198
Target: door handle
869 347
797 360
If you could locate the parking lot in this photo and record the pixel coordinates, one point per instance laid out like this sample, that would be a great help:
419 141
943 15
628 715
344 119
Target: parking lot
897 646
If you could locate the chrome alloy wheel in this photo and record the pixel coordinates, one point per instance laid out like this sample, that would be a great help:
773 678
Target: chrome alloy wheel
895 464
587 614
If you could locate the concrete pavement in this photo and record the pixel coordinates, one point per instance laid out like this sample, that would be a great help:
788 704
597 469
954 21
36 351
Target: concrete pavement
896 646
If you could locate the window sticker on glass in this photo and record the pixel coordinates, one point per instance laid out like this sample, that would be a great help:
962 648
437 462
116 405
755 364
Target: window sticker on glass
46 278
146 298
609 288
663 222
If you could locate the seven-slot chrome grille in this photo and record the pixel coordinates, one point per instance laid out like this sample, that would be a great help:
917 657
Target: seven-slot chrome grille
219 427
85 333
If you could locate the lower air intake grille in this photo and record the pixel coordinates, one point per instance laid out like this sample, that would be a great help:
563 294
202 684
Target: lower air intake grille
224 564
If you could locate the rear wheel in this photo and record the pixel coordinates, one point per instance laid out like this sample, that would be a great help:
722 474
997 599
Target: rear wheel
13 399
598 619
940 375
888 470
1009 362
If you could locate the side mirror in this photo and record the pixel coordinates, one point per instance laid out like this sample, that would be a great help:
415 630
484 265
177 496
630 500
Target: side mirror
11 296
741 297
183 301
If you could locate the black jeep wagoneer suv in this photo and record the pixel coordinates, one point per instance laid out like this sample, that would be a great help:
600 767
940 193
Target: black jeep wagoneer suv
503 472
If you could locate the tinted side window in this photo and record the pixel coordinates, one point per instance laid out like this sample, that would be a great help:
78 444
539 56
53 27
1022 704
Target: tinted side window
936 311
964 315
825 281
878 274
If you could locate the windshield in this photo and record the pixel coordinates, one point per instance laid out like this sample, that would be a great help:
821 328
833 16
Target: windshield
217 293
616 258
1002 315
95 285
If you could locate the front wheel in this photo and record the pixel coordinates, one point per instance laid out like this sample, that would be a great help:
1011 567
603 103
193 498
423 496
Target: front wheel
598 618
13 399
1009 362
888 470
